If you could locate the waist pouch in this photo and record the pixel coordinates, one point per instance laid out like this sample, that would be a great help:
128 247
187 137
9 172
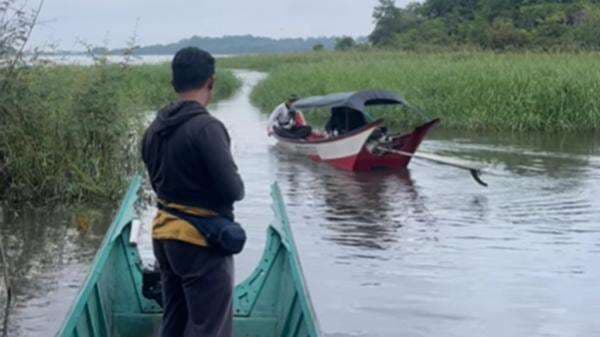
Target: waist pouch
222 234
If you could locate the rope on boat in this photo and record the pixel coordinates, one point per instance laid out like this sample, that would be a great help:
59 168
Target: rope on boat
475 172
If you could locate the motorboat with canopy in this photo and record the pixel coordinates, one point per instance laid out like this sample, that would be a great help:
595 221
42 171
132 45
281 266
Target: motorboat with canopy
355 140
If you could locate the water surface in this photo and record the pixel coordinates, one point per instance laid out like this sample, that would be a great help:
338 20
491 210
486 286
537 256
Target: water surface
422 252
427 252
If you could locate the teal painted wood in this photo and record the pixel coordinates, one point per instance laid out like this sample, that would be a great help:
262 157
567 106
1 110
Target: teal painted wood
277 288
272 302
89 292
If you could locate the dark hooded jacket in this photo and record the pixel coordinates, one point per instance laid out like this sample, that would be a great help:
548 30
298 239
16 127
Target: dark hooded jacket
188 157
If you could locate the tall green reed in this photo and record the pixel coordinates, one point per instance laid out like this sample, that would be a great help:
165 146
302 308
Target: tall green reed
72 132
468 90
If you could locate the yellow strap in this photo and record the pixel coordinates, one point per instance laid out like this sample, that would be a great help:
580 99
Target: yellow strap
169 227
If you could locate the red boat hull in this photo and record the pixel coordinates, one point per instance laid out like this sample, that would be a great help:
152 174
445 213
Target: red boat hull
363 159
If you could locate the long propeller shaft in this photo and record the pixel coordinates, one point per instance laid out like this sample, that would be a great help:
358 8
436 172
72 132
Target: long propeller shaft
475 172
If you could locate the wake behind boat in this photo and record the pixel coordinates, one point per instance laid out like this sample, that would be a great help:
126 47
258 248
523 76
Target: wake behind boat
354 140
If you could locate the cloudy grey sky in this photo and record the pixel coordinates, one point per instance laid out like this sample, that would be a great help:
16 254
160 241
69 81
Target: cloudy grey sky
165 21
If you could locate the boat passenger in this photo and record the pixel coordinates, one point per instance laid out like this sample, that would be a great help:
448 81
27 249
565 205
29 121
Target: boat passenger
288 122
187 154
344 120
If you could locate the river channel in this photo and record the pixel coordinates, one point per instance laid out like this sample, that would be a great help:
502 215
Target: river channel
422 252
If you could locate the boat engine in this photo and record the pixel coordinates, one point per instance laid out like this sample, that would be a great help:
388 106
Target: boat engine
378 140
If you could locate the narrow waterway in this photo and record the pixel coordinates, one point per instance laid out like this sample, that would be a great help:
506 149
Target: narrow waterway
423 252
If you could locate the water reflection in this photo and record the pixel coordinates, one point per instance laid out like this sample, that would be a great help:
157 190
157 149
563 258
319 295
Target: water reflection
49 250
359 211
529 154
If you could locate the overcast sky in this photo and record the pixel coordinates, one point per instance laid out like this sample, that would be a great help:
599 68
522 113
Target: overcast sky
94 21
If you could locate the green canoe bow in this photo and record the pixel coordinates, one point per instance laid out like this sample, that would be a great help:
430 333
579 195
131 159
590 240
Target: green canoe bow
272 302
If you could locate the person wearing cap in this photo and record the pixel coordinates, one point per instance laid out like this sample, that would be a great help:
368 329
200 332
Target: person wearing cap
288 122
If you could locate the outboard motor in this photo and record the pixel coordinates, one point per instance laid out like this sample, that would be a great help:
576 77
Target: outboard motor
378 138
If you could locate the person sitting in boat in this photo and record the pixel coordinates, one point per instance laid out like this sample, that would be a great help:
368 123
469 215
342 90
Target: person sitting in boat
288 122
343 120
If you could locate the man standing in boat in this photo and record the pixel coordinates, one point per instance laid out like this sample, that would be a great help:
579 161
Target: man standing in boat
187 154
288 122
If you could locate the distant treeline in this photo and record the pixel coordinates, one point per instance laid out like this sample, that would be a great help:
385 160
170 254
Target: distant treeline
547 25
242 44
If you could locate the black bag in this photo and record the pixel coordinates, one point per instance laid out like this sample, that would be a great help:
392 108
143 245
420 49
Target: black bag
222 234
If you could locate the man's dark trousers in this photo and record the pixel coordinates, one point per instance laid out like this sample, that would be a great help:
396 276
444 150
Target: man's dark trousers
197 288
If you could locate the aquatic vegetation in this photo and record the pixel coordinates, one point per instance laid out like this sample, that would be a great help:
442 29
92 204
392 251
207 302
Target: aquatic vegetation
71 132
468 90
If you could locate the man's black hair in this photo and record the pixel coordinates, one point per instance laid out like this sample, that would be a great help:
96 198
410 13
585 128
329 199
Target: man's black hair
192 67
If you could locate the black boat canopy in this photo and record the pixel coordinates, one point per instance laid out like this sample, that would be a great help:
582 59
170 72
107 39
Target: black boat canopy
356 100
